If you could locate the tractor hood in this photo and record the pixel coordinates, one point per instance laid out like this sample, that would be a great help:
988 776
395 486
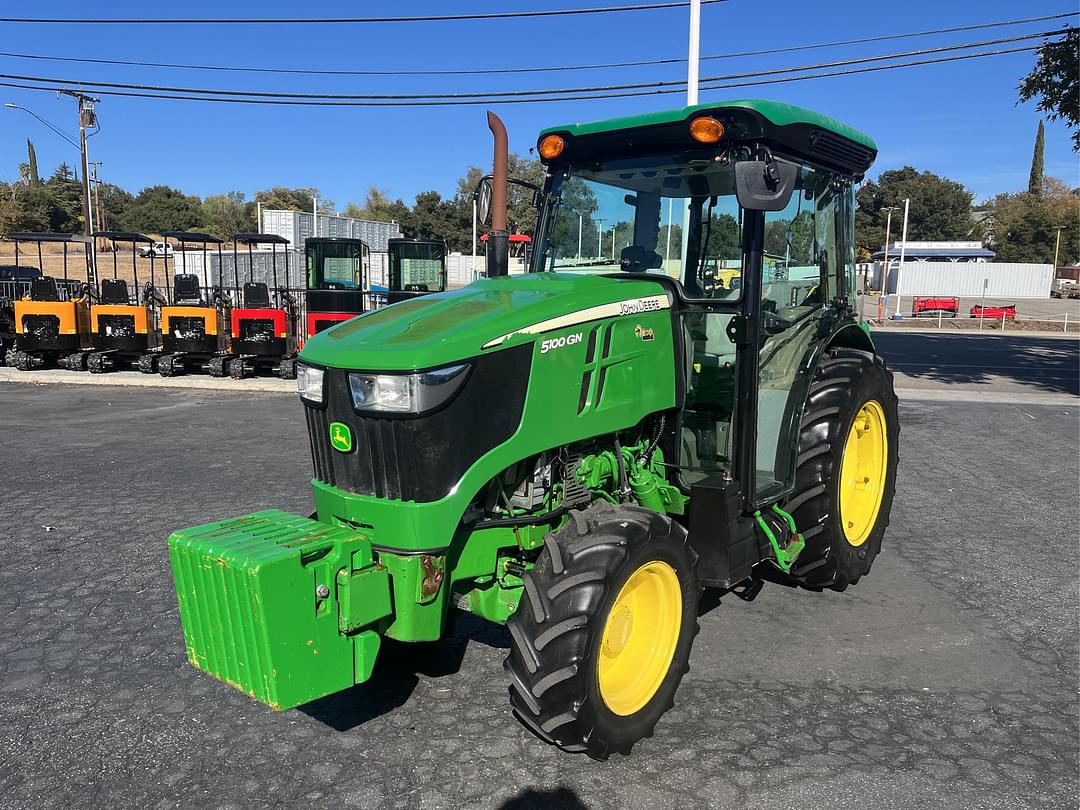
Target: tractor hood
487 315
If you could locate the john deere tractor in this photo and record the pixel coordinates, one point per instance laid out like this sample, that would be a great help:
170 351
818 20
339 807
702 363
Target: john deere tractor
579 452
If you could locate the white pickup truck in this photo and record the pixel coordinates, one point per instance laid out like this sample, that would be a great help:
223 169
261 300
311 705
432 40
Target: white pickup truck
157 249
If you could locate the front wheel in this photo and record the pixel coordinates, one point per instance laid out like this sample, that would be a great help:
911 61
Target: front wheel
846 469
602 636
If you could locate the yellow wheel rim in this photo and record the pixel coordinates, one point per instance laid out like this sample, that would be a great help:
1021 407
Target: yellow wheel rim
640 636
862 473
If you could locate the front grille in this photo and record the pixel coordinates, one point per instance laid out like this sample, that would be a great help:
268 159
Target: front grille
319 432
420 458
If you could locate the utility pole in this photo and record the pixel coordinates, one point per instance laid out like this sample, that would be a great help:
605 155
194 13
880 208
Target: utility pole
99 217
903 250
87 120
580 225
599 237
1057 244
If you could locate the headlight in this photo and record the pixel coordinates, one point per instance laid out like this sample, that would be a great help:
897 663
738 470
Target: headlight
406 393
309 383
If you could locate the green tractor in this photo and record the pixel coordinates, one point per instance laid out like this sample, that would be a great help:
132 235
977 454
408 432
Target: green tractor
582 451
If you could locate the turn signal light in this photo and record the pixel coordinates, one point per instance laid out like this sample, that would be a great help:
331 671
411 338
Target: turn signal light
706 129
552 146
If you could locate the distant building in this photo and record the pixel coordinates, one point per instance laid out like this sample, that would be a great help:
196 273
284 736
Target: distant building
296 226
937 252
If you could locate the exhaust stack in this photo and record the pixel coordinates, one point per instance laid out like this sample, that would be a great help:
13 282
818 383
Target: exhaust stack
498 244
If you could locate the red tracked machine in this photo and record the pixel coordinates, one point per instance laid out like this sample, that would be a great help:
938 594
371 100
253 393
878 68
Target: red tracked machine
263 324
337 275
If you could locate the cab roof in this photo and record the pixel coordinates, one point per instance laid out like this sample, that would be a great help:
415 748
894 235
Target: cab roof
791 130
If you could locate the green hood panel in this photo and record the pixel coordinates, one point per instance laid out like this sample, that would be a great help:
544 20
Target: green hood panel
447 327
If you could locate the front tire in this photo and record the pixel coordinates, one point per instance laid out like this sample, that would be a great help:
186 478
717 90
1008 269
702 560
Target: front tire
846 469
602 637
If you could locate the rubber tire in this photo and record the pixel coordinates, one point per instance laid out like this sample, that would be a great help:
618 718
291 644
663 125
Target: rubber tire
844 381
557 629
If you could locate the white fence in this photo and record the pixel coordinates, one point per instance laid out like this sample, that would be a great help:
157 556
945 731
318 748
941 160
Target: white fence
968 279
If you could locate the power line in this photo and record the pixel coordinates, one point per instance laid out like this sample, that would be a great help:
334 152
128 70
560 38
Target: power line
510 94
495 15
475 102
540 69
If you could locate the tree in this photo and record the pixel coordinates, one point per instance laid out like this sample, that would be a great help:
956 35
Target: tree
1055 81
1035 179
33 178
379 207
280 198
115 202
227 214
1026 224
940 208
160 208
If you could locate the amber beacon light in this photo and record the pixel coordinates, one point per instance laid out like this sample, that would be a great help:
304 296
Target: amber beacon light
551 147
706 129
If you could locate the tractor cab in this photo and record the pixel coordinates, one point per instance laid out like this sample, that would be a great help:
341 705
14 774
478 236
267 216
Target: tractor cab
194 336
578 451
51 314
263 333
124 320
417 267
337 279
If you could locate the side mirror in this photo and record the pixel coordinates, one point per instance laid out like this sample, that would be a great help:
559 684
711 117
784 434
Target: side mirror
636 259
764 185
483 200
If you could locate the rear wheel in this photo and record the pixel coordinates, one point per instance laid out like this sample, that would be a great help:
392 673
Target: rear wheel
602 637
846 469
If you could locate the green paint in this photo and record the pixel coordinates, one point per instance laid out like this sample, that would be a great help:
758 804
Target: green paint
774 112
252 614
785 554
443 328
341 437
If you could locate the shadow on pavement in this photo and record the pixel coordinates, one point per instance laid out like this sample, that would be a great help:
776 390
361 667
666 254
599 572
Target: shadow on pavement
1043 364
395 675
391 683
559 799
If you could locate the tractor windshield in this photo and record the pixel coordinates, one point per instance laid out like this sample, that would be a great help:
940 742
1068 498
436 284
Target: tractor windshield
646 213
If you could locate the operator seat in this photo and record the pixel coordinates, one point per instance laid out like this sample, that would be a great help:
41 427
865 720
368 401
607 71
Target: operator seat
256 295
114 291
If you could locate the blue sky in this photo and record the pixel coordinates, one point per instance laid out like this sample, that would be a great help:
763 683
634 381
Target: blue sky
959 120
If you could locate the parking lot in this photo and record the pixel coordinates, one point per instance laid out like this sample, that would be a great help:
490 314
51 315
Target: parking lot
947 678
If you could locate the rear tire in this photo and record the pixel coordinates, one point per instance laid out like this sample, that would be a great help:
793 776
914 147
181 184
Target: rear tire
570 682
840 549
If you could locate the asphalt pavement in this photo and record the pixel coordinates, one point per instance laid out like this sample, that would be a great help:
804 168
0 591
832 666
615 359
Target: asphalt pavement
982 366
946 678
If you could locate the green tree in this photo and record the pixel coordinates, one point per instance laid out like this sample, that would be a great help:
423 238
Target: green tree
1035 179
280 198
1055 81
32 175
940 208
115 202
1025 224
160 208
227 214
379 207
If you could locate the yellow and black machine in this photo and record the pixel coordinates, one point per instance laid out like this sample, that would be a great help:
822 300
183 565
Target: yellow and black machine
52 315
194 332
124 321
